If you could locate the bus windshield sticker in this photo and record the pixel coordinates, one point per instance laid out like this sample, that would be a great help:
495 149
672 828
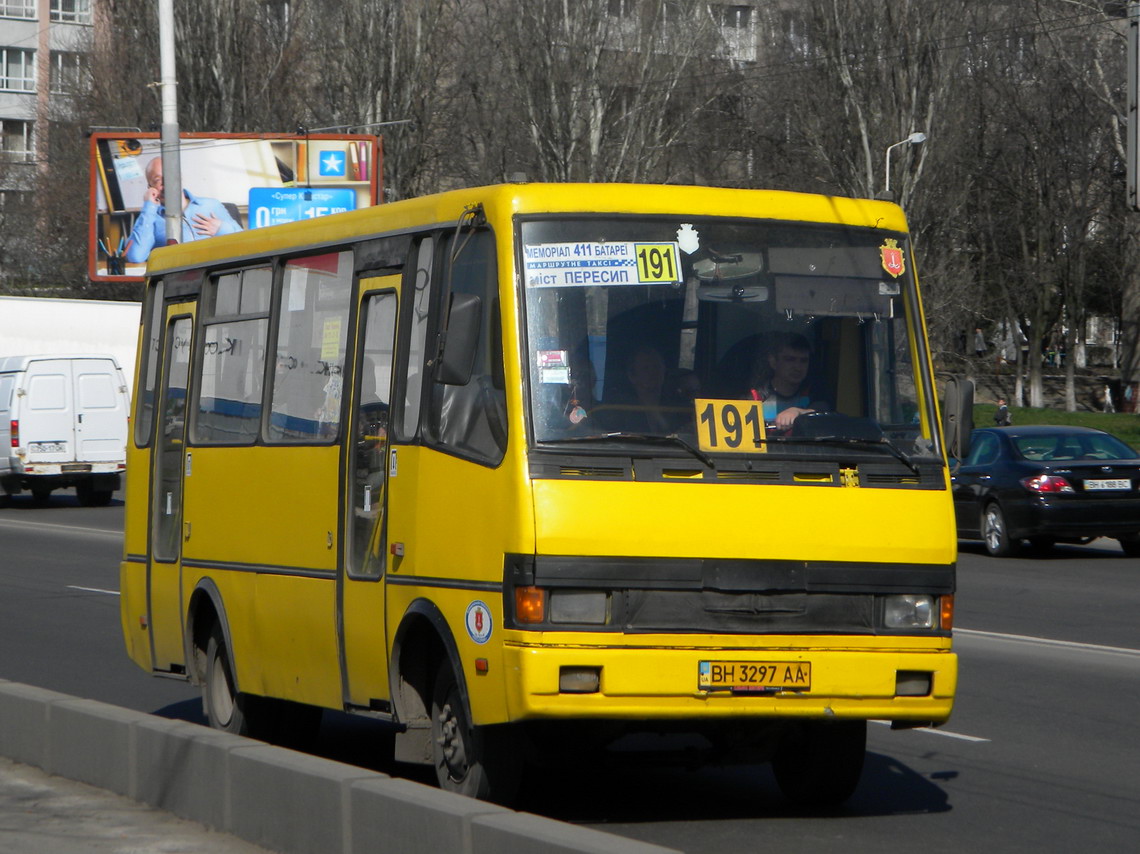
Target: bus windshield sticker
589 263
554 367
688 238
479 621
892 256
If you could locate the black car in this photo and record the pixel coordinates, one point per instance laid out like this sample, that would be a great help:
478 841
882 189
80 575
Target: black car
1047 485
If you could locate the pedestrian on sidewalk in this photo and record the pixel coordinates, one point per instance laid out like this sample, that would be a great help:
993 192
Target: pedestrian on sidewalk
1001 416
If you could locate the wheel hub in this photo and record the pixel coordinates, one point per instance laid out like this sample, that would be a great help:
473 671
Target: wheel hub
451 742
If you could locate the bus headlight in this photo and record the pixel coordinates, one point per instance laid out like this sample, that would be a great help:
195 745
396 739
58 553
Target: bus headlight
909 611
587 607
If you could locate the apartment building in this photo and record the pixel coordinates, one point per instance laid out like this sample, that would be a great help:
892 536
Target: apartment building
44 47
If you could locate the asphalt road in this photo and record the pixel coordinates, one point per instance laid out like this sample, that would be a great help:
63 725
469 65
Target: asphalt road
1041 754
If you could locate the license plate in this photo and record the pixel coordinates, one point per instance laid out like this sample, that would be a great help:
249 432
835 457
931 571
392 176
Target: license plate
1120 483
754 676
46 447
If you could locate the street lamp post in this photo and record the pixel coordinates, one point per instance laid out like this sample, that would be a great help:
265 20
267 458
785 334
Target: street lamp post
170 147
913 139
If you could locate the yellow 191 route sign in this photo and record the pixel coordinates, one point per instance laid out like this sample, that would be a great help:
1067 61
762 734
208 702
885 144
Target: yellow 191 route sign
731 426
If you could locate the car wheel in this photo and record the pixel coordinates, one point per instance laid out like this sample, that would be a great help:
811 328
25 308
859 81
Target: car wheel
995 532
819 763
1131 545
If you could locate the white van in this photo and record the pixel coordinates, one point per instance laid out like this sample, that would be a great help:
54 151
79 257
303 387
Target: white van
63 422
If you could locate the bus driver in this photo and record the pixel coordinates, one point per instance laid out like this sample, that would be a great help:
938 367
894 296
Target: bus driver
781 381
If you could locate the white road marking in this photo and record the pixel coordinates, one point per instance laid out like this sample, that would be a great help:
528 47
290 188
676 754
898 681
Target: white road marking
69 528
93 590
943 732
1087 647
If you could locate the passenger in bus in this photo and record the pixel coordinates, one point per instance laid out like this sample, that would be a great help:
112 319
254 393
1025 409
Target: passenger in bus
580 400
781 382
686 386
641 406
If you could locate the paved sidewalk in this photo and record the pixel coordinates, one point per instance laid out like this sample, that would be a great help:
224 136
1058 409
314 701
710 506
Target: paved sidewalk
42 814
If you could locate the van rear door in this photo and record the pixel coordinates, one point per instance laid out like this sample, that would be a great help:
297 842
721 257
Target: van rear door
47 412
100 411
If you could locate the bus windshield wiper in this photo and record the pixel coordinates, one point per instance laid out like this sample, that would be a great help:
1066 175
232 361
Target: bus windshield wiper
645 438
882 442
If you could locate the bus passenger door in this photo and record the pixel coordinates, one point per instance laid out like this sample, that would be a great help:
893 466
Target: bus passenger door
171 466
364 654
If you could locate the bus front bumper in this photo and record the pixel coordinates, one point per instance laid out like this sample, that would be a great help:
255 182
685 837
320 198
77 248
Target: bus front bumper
908 684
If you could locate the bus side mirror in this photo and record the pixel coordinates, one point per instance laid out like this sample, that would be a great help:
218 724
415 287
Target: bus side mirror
462 341
958 417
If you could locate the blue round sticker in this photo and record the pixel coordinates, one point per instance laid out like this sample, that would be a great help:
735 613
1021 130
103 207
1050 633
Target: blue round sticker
478 621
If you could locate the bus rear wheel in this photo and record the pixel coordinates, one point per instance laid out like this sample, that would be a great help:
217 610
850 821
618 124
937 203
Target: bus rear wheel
225 709
477 761
280 722
819 762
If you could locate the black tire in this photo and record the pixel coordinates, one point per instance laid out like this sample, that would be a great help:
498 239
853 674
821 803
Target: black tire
225 708
90 497
1130 545
220 699
819 763
477 761
995 532
41 494
277 721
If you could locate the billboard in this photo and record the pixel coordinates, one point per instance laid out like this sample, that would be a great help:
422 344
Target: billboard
230 182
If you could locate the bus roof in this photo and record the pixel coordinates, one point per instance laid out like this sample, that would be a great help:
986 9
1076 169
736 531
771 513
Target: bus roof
505 200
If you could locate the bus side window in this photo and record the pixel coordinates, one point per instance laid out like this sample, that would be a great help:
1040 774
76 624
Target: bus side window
235 329
470 419
311 335
418 304
148 371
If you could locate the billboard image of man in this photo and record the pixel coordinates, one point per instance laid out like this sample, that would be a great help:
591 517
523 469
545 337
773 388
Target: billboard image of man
201 217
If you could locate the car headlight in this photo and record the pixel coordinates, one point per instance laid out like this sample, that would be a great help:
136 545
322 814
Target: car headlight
909 611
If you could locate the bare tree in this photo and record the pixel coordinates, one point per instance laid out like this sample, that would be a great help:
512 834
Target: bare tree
589 90
389 62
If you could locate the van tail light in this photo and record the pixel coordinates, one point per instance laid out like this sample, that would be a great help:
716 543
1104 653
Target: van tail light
1047 484
15 425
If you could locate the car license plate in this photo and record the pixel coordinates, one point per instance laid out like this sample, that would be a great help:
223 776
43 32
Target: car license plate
46 447
1117 483
758 676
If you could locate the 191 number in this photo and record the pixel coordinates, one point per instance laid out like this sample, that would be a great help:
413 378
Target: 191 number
656 263
723 421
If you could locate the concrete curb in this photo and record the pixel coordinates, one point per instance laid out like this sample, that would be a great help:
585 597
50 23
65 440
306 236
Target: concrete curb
286 801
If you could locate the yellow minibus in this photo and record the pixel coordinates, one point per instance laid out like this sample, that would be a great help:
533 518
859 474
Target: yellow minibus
529 469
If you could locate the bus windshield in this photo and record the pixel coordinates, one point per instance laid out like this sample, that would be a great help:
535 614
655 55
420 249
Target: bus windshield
727 335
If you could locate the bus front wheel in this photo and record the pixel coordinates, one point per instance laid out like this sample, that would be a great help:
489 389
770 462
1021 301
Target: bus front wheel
820 762
477 761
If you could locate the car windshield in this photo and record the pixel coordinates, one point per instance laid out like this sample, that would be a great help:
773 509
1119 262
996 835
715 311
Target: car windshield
1045 447
722 334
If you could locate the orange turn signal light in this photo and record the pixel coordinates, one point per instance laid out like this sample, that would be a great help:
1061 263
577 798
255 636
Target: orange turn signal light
947 612
530 604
